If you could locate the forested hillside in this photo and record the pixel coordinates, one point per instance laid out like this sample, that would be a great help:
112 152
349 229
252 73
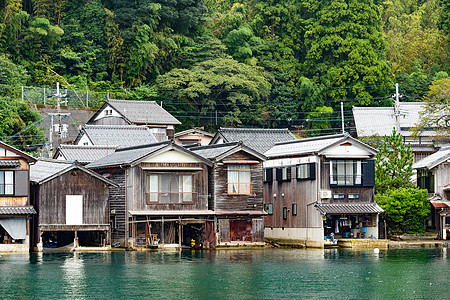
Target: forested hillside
265 63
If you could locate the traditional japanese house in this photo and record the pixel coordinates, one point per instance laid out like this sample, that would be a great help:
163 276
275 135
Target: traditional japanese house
83 154
15 208
403 116
433 174
258 139
72 204
236 192
162 198
129 112
193 137
317 186
115 136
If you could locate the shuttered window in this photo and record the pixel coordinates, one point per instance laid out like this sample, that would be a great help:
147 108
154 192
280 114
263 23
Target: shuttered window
268 175
345 173
306 171
284 174
6 182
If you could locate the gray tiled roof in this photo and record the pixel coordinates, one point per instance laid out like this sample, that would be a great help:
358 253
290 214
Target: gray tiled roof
144 112
85 154
349 208
304 146
381 120
10 163
119 135
258 139
17 210
434 159
45 168
127 156
213 151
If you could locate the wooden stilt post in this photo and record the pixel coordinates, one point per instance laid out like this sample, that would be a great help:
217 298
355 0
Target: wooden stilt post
179 232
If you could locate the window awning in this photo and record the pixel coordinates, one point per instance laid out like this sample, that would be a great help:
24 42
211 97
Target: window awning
10 163
17 210
349 208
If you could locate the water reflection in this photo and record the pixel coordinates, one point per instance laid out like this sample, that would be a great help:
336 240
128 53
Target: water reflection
265 274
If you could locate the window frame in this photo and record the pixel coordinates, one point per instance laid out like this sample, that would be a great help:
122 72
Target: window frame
310 170
356 175
284 173
294 209
268 208
268 175
180 193
4 184
284 213
244 188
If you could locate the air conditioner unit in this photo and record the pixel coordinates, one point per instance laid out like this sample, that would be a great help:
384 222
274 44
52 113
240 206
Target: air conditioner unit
325 194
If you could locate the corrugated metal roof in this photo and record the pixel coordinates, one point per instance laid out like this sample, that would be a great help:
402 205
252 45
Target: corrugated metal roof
434 159
213 151
381 120
9 163
258 139
85 154
148 112
440 204
126 156
120 135
17 210
43 169
303 146
349 208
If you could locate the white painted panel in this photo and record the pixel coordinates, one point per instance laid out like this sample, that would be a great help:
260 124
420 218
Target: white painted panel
7 153
352 151
74 209
103 114
172 156
84 140
289 161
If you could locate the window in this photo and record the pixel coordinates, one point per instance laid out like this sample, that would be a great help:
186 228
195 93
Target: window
345 172
108 112
306 171
268 208
268 175
425 180
239 180
284 174
284 213
169 188
294 209
6 182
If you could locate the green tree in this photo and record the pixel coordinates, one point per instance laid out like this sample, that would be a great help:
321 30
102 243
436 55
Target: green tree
405 209
319 120
223 85
345 50
18 126
436 113
393 167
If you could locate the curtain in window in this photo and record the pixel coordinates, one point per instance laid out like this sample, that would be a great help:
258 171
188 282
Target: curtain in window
187 188
16 228
245 180
239 179
152 188
233 180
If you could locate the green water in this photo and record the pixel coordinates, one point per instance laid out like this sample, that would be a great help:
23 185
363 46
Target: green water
228 274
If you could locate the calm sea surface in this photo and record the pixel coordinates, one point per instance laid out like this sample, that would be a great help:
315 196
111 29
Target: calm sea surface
228 274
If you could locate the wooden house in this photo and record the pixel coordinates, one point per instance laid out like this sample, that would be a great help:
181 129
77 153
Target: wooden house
235 192
433 174
258 139
15 208
317 186
115 136
162 198
83 154
193 137
403 116
129 112
72 204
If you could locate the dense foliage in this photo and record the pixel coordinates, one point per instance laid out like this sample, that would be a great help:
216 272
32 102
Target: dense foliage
405 210
213 63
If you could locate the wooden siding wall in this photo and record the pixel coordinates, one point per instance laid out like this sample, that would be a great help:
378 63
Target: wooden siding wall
224 201
137 184
95 192
258 230
117 202
302 192
366 194
224 230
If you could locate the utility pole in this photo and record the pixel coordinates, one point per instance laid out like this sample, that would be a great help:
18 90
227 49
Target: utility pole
59 115
342 116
